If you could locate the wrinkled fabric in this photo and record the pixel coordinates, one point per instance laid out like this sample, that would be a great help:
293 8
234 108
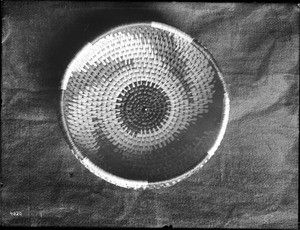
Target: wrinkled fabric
251 181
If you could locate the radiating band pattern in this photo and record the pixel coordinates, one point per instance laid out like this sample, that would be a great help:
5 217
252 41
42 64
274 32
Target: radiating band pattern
136 91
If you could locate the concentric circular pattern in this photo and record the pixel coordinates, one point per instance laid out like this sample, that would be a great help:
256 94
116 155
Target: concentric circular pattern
144 106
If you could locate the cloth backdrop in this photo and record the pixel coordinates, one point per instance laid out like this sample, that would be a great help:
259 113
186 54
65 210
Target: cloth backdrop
251 181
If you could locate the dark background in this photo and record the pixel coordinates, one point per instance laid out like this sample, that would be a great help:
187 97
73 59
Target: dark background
251 181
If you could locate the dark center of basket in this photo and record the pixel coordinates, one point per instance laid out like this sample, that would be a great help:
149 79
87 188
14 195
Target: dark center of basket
142 107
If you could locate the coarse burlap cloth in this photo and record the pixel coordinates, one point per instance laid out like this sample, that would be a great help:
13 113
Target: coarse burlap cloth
251 181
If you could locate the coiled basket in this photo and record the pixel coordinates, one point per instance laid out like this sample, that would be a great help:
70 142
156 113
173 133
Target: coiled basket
143 106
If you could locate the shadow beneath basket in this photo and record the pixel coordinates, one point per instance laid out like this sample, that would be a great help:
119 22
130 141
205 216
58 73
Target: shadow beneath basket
88 25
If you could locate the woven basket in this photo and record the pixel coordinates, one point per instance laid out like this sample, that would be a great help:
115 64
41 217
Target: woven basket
144 106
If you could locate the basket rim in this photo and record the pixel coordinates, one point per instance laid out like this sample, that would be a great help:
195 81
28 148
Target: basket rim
140 184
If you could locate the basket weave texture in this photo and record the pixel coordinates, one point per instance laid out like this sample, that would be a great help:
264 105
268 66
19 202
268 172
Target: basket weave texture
135 105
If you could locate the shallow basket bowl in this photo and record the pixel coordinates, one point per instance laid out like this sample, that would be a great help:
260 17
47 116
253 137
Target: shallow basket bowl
143 106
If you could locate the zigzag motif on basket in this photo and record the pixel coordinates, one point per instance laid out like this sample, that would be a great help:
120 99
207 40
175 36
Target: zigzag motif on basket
144 104
161 81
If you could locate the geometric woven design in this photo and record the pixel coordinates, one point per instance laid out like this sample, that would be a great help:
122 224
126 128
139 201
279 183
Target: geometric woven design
135 106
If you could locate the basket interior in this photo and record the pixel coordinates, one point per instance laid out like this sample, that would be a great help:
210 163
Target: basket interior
143 103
